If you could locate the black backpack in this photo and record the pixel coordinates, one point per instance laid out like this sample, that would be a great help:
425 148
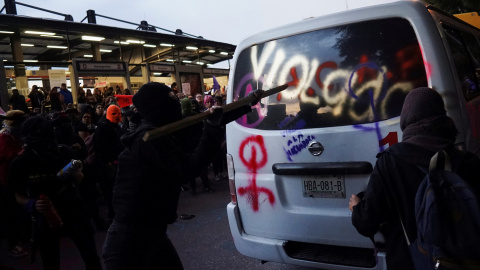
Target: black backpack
447 212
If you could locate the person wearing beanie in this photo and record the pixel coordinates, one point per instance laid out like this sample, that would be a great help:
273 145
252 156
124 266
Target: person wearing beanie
41 192
149 178
396 177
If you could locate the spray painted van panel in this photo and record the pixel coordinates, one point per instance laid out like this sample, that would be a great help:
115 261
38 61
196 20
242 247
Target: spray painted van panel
297 158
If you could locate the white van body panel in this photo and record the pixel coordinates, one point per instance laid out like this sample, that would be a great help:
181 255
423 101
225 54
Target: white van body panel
271 209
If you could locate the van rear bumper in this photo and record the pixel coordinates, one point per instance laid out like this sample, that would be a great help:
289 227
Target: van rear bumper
273 250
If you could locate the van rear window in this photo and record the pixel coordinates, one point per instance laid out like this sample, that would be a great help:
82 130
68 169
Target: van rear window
346 75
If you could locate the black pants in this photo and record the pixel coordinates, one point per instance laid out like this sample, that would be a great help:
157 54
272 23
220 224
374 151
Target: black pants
139 247
47 241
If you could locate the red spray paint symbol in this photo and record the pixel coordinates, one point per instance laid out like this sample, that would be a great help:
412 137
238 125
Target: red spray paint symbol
252 191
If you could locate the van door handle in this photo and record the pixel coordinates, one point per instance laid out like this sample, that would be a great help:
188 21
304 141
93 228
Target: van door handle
323 168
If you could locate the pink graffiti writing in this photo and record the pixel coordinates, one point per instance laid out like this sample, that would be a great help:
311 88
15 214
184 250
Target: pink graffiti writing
252 191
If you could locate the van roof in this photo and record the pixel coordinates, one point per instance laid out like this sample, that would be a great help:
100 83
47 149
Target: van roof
386 10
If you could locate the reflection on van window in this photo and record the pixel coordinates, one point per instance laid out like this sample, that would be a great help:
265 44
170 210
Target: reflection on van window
465 52
347 75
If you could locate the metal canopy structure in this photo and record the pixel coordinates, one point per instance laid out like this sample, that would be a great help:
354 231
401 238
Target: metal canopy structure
52 40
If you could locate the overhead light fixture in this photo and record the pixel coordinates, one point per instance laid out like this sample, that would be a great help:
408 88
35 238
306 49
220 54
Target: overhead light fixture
6 32
40 33
135 41
121 42
170 60
30 60
51 36
211 51
187 61
150 45
224 53
105 50
92 38
57 47
191 48
5 60
88 55
157 73
166 45
199 63
27 45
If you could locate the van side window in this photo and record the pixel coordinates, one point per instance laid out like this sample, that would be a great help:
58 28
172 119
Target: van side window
465 52
348 75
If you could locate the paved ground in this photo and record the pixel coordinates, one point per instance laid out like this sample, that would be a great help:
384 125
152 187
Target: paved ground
203 242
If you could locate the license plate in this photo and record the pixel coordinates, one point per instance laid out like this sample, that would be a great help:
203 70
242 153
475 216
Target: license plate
324 186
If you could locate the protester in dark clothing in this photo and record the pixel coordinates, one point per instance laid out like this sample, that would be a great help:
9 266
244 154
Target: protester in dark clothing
391 191
148 182
97 94
13 222
65 135
107 148
85 127
18 102
99 111
38 189
56 105
81 98
191 136
36 97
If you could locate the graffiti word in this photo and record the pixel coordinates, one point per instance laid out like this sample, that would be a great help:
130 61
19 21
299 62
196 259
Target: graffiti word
297 144
327 84
286 123
252 191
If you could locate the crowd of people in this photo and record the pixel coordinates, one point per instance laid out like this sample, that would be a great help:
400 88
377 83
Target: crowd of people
37 143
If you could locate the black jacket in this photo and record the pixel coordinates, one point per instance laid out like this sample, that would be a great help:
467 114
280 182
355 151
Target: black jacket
393 185
150 173
107 141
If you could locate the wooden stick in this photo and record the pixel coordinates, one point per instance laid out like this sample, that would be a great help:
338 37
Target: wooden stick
186 122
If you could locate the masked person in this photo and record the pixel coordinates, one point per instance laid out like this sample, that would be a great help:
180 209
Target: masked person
107 147
52 201
147 187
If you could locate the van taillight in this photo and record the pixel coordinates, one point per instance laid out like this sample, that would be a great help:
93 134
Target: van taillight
231 178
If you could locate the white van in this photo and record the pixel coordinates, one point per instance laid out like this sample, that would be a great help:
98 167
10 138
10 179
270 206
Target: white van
296 159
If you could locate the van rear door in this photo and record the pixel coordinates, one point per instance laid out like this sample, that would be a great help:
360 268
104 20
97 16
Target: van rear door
301 153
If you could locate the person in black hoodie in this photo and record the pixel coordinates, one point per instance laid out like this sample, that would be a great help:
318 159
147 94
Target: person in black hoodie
396 177
148 182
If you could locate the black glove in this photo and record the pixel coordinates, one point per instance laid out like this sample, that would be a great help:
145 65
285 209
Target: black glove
258 96
215 118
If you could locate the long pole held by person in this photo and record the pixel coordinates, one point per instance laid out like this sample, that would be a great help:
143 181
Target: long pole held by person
167 129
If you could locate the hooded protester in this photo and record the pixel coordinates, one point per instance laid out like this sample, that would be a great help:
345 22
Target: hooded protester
108 146
396 177
147 187
41 192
